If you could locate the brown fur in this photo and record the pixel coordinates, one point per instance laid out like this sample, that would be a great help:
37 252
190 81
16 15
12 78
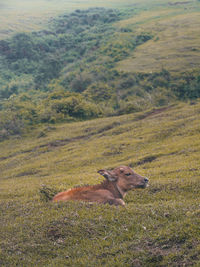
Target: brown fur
111 191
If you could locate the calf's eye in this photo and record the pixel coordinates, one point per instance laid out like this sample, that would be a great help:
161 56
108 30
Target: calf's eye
128 174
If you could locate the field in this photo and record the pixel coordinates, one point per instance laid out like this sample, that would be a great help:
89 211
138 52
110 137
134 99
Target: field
143 58
159 225
176 41
174 25
27 15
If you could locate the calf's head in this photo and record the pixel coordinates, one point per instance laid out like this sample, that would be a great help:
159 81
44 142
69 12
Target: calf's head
125 178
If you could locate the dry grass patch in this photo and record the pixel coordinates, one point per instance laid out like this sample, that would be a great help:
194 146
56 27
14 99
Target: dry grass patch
176 43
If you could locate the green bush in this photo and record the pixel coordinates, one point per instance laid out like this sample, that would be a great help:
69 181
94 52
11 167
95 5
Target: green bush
10 124
69 72
99 92
75 106
187 86
81 82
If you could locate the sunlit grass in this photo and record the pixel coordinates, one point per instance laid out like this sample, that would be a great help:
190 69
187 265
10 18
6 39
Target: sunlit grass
176 42
161 221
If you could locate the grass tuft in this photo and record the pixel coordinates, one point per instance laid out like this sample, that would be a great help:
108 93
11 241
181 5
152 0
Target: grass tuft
47 193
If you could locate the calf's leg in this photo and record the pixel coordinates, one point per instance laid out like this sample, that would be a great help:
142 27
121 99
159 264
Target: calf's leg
115 201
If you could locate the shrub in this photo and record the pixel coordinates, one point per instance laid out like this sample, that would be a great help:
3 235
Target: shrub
99 92
187 85
81 82
10 124
128 107
75 106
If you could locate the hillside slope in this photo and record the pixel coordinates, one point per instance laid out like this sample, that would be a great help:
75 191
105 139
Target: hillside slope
100 62
176 42
158 227
27 16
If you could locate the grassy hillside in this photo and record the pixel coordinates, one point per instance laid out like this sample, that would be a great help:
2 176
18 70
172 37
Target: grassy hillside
100 62
159 225
61 66
28 15
176 42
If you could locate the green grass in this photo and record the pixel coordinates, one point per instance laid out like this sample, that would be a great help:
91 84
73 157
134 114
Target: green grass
175 26
176 42
159 225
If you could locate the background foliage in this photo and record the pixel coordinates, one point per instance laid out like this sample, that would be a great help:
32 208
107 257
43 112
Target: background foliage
68 72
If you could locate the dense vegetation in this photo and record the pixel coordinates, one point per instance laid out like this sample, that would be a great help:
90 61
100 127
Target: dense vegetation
68 72
57 86
159 225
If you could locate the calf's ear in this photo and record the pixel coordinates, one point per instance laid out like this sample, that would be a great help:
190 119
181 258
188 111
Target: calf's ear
108 175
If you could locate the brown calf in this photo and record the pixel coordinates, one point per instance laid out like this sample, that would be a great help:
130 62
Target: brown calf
111 191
